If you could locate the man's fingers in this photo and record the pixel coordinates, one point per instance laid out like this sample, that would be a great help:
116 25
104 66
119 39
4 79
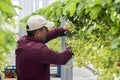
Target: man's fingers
67 28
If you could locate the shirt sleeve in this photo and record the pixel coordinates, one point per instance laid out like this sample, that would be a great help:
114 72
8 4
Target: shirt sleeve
56 32
47 56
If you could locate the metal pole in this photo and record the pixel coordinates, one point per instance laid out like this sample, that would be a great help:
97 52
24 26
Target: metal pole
45 3
36 5
66 70
27 8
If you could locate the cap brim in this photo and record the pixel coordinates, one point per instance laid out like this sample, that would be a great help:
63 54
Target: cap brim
50 24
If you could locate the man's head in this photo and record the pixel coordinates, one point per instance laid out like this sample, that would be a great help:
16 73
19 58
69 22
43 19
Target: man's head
37 27
38 34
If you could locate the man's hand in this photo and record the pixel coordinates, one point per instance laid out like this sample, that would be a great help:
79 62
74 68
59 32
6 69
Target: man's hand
70 50
66 28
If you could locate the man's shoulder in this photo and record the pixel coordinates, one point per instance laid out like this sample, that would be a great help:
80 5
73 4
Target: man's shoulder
38 45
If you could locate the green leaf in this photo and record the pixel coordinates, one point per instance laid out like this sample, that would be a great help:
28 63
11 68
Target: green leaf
92 3
117 1
71 8
109 2
7 8
95 11
80 8
115 43
87 10
2 37
91 28
115 29
113 14
18 7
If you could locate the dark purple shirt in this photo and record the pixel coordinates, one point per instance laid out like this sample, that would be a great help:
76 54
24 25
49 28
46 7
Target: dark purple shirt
33 58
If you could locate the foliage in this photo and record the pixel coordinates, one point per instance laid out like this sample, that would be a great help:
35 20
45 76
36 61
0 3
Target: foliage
7 37
55 44
95 35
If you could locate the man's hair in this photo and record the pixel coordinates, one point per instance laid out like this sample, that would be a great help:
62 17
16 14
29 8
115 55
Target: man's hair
31 33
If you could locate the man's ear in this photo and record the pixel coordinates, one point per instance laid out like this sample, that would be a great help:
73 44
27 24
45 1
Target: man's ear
37 32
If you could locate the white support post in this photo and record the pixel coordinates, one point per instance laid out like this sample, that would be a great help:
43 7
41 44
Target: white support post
45 3
37 4
27 8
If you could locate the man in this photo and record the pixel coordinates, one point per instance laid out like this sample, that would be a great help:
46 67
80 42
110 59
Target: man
33 57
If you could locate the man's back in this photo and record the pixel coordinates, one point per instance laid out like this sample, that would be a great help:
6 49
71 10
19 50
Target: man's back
27 67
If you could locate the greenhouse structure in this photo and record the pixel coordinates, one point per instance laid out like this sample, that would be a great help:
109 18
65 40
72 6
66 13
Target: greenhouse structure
60 40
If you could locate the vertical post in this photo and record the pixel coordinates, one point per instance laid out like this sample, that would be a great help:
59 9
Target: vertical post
66 70
45 3
27 8
21 15
36 5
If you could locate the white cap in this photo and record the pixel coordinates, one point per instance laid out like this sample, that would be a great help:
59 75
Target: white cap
36 22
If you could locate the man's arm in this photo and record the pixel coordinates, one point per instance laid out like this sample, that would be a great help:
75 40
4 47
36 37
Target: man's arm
47 56
56 32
